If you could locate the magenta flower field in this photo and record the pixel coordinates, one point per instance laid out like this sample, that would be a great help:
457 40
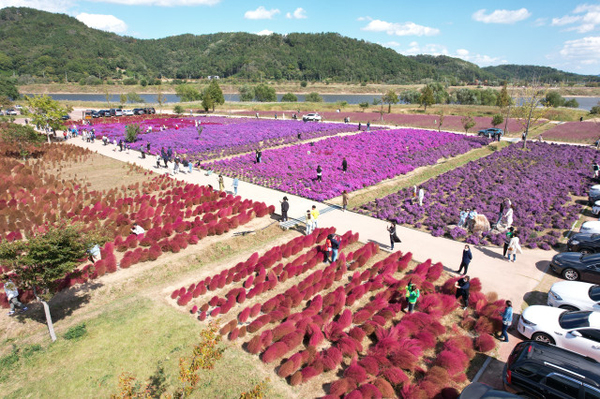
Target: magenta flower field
540 182
220 136
586 132
372 157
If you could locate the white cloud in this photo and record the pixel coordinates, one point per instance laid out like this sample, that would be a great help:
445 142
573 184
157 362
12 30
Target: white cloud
501 16
264 32
391 44
400 29
585 17
44 5
261 13
540 22
162 3
431 49
461 52
299 13
364 18
585 50
438 49
109 23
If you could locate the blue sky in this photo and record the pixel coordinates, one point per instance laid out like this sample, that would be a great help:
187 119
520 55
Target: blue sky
564 35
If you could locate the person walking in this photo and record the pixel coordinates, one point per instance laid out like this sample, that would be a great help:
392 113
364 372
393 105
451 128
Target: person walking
176 166
507 237
344 165
513 246
169 154
221 183
309 224
421 196
285 207
236 183
596 169
507 316
345 198
412 295
462 290
393 235
314 215
319 173
12 294
467 256
333 246
359 126
368 126
158 161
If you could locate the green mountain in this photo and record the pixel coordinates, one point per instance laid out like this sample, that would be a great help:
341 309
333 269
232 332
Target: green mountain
59 47
541 74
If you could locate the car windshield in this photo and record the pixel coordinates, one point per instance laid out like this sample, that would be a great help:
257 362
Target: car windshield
570 320
594 293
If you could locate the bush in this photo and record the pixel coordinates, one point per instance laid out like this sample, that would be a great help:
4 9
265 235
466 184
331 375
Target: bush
76 332
484 343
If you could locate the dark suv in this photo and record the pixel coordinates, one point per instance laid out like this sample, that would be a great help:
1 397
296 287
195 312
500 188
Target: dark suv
541 370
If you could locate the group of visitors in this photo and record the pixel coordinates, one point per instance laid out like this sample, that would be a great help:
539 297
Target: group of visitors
467 219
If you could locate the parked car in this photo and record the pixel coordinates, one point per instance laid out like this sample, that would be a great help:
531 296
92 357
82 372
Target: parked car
591 226
576 266
577 331
574 295
118 112
128 112
139 111
594 194
65 117
96 114
586 243
312 117
539 370
149 111
104 112
17 106
477 390
11 111
491 132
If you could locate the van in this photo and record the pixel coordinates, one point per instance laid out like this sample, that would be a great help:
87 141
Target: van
541 370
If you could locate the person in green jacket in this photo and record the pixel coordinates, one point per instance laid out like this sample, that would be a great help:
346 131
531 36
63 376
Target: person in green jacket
412 294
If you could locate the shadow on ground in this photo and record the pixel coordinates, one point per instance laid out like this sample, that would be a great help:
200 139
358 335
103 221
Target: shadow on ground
535 298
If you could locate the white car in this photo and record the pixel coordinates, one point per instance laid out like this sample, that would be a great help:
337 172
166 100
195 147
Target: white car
11 111
128 112
591 226
575 331
313 117
575 295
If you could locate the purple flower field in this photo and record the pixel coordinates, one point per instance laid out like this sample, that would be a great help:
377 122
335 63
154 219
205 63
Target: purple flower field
372 157
221 136
539 181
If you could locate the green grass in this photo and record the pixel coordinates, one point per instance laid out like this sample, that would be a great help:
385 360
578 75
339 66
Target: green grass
132 335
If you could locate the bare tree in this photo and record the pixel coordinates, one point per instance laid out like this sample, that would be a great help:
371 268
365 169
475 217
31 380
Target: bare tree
531 108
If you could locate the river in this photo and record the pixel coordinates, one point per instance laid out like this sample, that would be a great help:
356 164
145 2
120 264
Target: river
585 103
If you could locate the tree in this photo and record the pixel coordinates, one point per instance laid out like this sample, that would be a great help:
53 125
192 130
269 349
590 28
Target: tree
304 83
426 98
215 93
8 91
264 93
531 108
246 93
131 132
289 98
467 122
40 261
43 110
207 102
440 115
187 93
178 109
595 110
572 103
364 105
161 99
497 119
122 99
133 97
504 101
390 98
554 99
24 138
313 97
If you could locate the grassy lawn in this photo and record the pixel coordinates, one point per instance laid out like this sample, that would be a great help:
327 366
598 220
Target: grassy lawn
133 334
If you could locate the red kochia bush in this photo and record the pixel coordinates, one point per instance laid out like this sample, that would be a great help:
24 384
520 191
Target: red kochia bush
355 372
274 352
484 343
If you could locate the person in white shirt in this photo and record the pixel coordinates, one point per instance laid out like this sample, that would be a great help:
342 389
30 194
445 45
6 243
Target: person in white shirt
137 229
12 294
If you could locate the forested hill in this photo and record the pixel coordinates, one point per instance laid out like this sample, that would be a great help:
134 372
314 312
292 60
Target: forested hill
57 46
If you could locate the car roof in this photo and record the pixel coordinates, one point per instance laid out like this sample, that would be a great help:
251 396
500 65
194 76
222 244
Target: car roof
562 360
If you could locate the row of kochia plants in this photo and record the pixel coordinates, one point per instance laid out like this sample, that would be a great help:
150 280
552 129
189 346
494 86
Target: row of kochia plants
173 213
308 318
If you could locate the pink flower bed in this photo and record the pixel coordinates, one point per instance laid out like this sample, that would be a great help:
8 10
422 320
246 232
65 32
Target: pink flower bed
587 132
